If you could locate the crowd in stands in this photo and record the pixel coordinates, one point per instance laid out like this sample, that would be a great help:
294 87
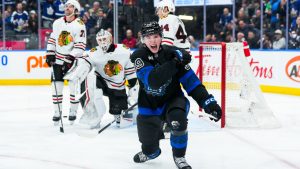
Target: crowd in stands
21 22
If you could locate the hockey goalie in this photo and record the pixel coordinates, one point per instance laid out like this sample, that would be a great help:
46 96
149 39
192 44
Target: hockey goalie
111 67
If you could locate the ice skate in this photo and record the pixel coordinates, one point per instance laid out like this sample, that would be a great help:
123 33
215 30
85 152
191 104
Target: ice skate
181 163
118 120
72 117
141 157
56 118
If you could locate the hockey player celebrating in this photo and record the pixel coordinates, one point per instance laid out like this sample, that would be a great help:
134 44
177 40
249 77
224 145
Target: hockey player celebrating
67 42
160 72
173 28
112 66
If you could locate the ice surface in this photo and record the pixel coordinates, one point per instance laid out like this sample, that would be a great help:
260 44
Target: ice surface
28 139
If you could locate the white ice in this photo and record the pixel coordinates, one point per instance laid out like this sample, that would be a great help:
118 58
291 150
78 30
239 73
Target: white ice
28 139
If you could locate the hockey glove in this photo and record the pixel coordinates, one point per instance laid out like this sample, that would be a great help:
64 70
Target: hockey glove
182 56
50 60
211 107
69 60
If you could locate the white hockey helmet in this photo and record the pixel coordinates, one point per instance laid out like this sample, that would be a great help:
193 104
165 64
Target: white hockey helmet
104 39
167 3
76 5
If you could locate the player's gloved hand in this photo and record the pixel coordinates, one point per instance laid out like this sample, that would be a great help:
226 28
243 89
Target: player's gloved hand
68 63
211 107
50 60
182 56
133 95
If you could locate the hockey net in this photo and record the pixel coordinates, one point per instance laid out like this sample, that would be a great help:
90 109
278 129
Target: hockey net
227 75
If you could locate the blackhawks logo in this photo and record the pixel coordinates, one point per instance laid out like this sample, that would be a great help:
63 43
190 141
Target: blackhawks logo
112 68
64 38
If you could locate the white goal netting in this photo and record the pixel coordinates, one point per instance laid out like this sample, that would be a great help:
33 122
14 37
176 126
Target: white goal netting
234 86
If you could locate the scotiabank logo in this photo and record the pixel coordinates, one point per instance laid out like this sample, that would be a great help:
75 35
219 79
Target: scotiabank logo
36 62
292 69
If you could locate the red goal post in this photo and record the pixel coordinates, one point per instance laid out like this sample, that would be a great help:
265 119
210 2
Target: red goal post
223 72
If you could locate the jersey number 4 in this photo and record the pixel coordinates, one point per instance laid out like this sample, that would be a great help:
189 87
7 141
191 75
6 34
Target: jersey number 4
179 34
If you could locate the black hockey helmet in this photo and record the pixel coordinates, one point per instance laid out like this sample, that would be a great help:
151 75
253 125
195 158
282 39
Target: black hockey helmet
151 27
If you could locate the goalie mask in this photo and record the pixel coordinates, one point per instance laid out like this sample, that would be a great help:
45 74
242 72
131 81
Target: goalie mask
165 7
104 40
76 5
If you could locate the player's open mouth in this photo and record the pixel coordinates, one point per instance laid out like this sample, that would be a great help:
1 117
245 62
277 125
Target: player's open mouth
154 47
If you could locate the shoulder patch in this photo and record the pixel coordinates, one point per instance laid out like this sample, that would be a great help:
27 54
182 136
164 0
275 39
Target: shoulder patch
93 49
138 63
80 22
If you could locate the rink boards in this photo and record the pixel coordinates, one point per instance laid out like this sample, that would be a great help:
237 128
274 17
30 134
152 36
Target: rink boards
275 71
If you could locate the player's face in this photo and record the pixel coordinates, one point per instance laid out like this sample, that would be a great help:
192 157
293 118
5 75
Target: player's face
159 12
152 42
69 9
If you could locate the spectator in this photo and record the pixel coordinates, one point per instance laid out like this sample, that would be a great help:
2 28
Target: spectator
279 41
94 11
101 21
59 8
296 27
19 19
48 14
214 38
240 37
243 27
139 42
225 17
253 40
110 15
294 40
267 42
193 42
255 21
33 22
129 41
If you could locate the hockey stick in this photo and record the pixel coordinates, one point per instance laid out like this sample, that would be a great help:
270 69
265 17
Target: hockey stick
107 125
61 128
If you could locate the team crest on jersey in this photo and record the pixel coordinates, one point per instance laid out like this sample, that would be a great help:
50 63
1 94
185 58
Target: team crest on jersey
64 38
93 49
112 68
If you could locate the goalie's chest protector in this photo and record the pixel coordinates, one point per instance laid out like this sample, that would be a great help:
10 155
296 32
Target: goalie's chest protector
111 66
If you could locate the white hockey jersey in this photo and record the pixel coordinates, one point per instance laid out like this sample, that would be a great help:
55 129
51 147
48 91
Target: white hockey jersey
174 32
67 38
120 57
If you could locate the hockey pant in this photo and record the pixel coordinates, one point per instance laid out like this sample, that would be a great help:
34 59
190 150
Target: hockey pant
150 130
117 98
92 101
57 89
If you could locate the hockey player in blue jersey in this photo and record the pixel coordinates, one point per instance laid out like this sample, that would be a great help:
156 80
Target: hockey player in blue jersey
160 72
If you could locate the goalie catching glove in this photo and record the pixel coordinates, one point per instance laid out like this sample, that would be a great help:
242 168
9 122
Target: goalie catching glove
211 107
